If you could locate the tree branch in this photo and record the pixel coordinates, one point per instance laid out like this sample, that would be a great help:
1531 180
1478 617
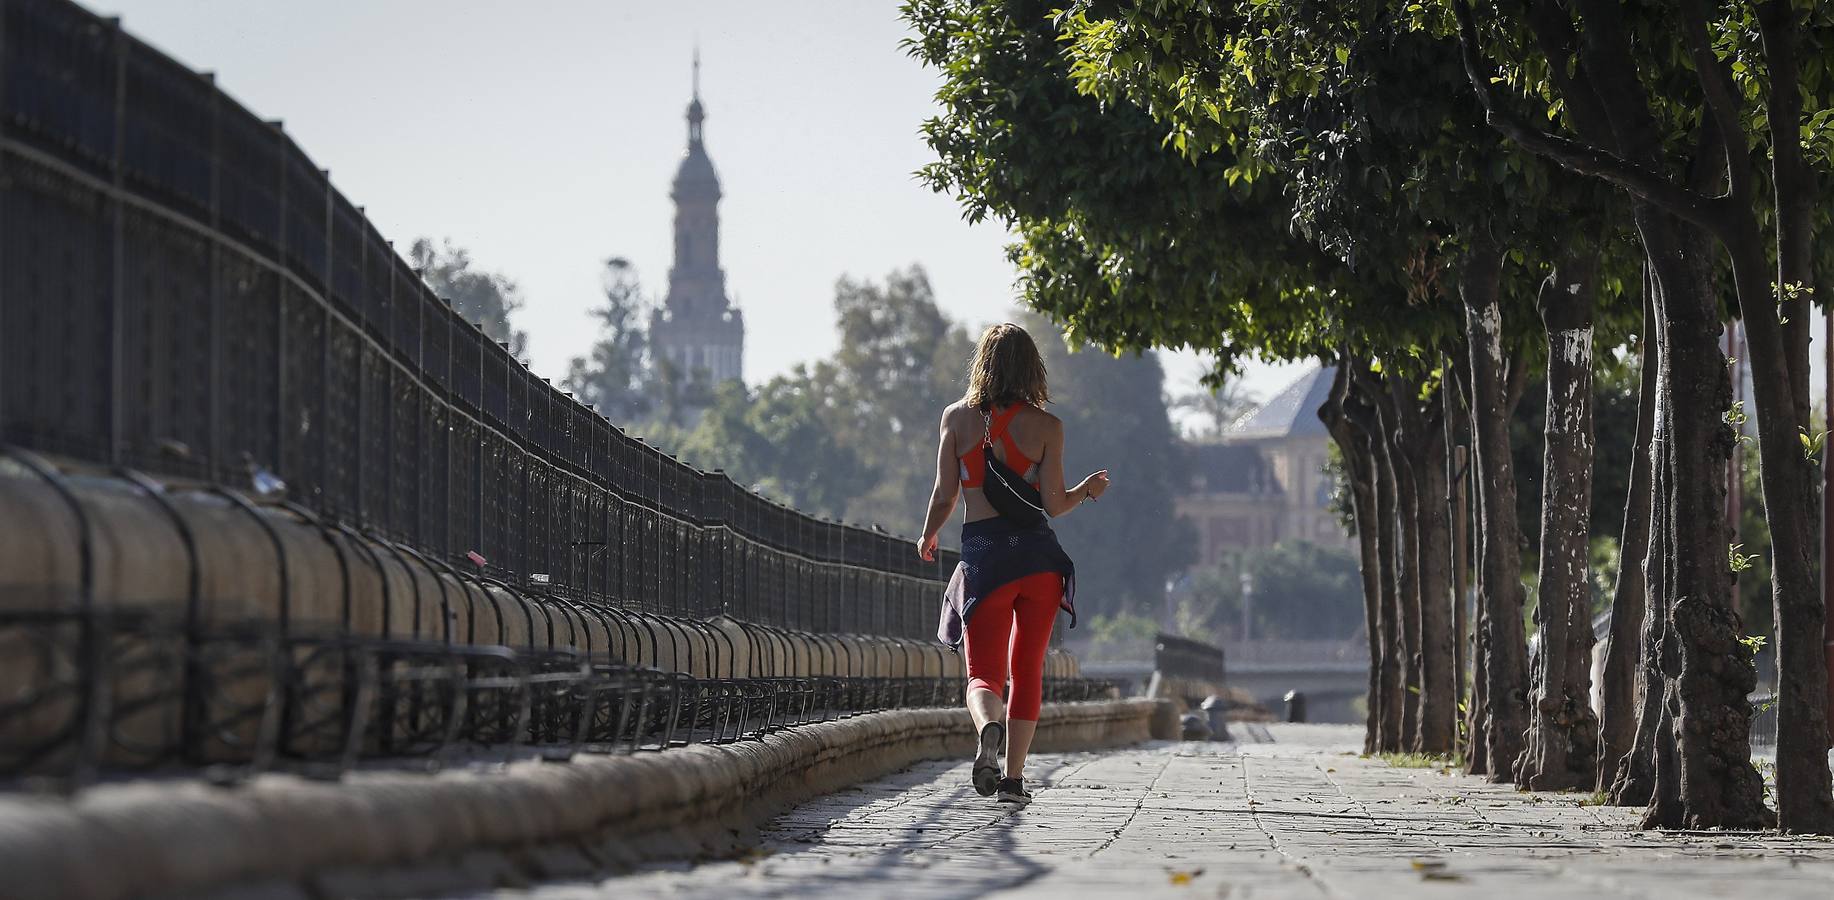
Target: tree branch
1555 36
1722 101
1707 172
1577 156
1516 383
1794 185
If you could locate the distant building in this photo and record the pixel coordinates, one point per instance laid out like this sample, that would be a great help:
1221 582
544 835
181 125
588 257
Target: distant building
1263 481
697 330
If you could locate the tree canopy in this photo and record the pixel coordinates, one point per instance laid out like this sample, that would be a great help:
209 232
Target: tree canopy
1445 198
485 298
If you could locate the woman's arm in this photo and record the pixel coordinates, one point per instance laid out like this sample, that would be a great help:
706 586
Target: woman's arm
942 496
1057 500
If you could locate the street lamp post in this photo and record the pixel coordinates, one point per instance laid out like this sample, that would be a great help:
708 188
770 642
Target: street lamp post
1248 591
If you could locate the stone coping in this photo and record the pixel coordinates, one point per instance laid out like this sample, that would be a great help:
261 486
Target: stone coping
383 834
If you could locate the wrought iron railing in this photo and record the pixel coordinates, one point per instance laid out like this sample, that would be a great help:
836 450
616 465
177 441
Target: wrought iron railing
425 661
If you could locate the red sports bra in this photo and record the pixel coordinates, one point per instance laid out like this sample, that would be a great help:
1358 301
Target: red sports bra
973 463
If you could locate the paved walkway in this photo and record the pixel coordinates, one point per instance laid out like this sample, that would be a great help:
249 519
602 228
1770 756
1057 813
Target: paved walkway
1300 817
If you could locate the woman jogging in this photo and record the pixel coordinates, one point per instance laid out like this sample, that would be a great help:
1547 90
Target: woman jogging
1004 455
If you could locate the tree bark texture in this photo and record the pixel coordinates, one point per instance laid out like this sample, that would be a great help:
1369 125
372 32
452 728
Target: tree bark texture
1420 440
1710 729
1501 643
1473 648
1389 394
1352 445
1562 738
1779 379
1458 519
1617 729
1394 659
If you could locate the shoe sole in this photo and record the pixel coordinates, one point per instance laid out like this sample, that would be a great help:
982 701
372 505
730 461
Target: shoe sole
1015 799
987 762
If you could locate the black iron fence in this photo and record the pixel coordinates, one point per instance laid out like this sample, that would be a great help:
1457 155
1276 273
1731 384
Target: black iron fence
149 625
183 292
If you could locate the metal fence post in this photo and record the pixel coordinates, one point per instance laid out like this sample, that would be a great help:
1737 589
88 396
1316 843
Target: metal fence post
117 314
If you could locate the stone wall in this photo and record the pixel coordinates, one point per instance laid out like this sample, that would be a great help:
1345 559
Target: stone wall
389 834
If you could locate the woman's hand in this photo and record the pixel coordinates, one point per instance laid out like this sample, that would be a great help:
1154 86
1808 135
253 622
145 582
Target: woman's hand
1095 485
926 547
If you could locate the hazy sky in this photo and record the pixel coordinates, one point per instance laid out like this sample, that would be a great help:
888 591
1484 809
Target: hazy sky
543 135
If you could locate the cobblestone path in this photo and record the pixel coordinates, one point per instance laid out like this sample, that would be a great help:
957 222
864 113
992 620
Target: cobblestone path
1302 816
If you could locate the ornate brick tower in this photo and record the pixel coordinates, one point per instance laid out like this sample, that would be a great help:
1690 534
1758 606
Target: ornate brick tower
698 331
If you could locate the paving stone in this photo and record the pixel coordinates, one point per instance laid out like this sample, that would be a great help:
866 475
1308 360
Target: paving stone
1302 817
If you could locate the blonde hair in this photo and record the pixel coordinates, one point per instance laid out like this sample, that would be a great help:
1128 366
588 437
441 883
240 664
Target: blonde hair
1006 369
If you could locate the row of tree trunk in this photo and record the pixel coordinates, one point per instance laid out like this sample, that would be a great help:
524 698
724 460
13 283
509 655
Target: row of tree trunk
1696 204
1673 731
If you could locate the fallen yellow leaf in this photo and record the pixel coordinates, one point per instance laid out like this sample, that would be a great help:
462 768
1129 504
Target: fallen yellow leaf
1185 877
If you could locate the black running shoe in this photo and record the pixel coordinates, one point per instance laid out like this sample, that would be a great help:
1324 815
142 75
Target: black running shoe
987 761
1012 790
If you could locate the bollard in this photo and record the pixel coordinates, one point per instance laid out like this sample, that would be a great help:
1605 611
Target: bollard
1216 710
1194 728
1295 706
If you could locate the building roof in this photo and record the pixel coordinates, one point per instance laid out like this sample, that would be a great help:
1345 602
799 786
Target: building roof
696 171
1230 469
1291 413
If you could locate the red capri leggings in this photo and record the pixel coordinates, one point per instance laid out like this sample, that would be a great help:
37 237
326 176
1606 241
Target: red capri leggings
1009 631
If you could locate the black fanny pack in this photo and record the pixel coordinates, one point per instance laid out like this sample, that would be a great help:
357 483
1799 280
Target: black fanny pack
1016 500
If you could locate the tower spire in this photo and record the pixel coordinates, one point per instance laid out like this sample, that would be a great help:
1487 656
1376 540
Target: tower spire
695 113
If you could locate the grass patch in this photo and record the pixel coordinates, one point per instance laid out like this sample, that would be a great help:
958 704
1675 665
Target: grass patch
1596 798
1420 760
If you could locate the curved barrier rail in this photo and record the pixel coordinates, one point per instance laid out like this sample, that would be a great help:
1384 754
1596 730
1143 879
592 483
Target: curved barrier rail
145 625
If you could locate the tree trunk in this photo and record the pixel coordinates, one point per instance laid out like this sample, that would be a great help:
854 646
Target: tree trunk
1407 548
1779 378
1458 462
1617 710
1360 410
1562 739
1477 733
1790 482
1473 715
1394 660
1394 393
1352 445
1438 671
1421 441
1500 642
1707 687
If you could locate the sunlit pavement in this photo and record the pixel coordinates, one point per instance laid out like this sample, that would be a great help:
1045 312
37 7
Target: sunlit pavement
1303 816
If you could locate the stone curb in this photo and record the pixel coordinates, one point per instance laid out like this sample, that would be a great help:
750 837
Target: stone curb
387 834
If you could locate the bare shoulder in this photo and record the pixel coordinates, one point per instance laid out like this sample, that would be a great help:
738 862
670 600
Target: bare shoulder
1035 425
1041 419
954 415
